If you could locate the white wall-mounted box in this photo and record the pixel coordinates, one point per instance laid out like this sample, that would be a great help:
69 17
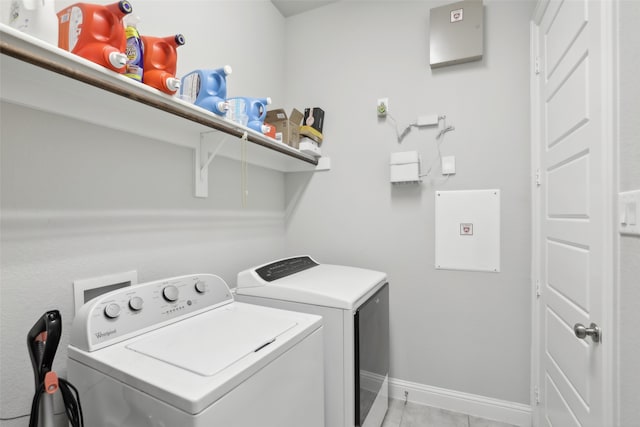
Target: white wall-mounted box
468 230
456 33
404 167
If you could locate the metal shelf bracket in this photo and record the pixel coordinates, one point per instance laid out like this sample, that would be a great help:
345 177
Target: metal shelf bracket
205 151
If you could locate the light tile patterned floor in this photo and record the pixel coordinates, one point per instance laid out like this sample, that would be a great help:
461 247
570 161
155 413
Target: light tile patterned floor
414 415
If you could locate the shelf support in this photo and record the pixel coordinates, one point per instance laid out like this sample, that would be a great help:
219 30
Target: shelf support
324 164
205 152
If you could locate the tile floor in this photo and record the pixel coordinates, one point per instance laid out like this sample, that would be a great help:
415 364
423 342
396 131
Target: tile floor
414 415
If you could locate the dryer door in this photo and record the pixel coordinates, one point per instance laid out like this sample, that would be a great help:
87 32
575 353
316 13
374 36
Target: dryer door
372 359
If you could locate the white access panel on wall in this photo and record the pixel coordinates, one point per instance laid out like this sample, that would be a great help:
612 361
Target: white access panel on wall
468 230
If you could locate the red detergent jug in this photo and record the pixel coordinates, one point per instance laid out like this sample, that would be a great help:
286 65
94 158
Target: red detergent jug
95 32
160 61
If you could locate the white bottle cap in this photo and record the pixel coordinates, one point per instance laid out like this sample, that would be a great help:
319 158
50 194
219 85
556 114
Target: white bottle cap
268 100
227 69
173 84
223 106
131 20
117 59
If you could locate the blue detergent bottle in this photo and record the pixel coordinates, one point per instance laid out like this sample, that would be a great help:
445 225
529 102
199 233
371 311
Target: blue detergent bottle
256 110
207 88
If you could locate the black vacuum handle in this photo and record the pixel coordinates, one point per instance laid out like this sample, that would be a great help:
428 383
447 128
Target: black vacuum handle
42 360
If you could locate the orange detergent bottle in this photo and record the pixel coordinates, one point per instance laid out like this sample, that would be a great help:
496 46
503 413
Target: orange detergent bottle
160 61
95 32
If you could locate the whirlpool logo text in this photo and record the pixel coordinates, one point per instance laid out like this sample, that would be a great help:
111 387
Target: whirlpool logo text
100 335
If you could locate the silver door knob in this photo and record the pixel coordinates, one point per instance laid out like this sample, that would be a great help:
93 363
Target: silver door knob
592 331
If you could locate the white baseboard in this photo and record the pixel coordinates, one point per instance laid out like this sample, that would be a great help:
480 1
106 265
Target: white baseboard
371 381
465 403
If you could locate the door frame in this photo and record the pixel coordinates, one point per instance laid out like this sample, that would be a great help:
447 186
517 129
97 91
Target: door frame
610 319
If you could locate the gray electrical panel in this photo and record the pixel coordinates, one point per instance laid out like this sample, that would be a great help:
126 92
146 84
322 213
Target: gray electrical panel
456 33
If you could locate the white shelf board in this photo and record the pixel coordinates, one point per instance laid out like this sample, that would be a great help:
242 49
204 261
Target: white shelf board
43 77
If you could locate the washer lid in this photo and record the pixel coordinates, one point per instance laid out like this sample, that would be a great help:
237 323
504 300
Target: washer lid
209 348
327 285
192 363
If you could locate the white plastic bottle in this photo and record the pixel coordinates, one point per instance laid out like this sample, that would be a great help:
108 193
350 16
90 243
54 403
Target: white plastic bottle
35 17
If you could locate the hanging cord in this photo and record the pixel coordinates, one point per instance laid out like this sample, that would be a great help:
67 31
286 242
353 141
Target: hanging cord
439 140
400 135
244 173
70 397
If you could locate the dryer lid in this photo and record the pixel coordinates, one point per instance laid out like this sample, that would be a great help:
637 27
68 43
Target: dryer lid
209 348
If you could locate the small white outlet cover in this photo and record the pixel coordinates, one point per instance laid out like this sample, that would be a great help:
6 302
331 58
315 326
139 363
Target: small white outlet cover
629 210
448 165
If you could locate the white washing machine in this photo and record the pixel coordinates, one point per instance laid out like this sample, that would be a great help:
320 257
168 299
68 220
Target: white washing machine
181 352
354 303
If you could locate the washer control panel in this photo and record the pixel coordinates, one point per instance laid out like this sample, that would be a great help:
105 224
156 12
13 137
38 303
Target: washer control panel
130 311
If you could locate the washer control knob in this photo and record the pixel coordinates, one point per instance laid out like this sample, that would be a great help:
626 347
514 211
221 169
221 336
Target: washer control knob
112 310
170 293
135 303
201 287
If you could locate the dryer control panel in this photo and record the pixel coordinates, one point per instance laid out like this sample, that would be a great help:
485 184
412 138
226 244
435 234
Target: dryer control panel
130 311
285 267
264 274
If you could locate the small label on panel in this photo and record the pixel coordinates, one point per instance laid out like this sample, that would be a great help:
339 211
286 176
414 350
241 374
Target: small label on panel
466 229
457 15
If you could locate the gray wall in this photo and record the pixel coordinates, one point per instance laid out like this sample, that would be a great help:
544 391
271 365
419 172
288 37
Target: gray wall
464 331
93 201
80 201
629 175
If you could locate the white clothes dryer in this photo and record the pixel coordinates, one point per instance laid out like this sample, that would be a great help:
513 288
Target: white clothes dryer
181 352
354 304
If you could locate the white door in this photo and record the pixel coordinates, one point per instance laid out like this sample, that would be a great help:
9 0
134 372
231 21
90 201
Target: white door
573 262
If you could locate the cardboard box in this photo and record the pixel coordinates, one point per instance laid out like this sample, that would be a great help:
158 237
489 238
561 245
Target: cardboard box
314 117
287 127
